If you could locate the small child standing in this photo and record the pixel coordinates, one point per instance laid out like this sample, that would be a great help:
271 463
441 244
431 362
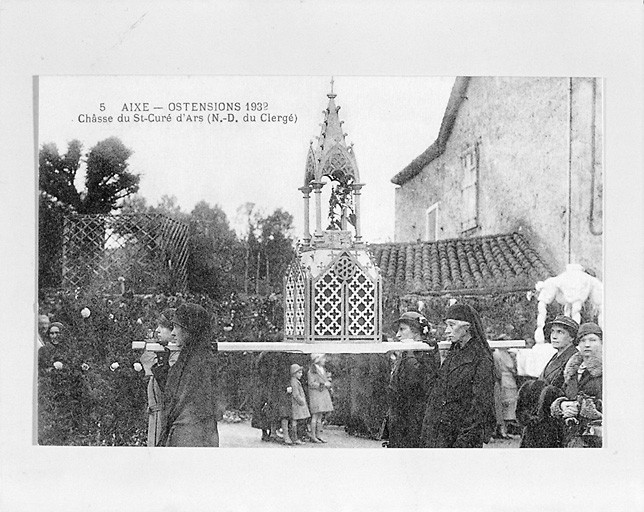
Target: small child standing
319 396
300 410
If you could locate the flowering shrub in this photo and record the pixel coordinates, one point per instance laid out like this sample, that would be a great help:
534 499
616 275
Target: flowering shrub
96 393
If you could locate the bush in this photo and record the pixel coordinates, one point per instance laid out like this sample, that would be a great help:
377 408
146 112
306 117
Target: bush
87 403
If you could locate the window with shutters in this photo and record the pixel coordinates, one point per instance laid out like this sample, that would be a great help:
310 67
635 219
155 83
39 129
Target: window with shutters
431 223
470 188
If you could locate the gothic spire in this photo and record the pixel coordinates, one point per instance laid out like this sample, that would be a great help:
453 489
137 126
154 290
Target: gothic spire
331 152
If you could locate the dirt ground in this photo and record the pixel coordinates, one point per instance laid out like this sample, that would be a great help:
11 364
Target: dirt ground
242 435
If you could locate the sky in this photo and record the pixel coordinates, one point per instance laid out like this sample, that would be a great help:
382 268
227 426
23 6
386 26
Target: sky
390 121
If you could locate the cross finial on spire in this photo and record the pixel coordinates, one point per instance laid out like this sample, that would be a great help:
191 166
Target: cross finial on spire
331 94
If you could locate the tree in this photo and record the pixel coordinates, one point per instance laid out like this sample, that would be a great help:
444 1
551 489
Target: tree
50 250
245 211
167 205
216 255
108 179
276 246
269 250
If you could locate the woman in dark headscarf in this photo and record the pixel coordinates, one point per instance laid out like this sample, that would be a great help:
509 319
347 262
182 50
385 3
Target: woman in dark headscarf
191 389
460 409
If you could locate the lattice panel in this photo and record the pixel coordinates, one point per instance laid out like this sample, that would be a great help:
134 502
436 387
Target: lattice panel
300 304
295 301
361 306
149 250
328 305
289 307
342 303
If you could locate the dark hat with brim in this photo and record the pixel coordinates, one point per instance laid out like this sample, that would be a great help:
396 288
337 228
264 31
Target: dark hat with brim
413 319
192 317
566 322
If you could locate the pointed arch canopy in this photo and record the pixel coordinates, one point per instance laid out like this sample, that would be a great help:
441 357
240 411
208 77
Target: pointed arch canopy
338 160
310 171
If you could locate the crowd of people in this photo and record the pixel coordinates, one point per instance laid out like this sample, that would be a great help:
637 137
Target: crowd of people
563 407
285 410
448 404
182 388
467 395
457 398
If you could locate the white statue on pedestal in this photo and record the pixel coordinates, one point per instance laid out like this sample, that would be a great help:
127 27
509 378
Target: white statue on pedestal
570 289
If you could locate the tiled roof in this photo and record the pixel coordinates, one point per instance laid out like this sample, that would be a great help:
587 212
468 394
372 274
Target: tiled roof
438 147
474 265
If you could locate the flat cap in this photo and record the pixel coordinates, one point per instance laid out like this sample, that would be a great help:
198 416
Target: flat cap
567 322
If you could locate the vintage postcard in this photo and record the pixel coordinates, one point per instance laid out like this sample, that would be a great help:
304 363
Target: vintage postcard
281 276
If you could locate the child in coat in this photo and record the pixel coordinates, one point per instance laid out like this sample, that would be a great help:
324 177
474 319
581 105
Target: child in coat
319 396
300 410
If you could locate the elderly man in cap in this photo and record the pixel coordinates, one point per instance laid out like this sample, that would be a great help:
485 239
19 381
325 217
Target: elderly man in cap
460 409
535 397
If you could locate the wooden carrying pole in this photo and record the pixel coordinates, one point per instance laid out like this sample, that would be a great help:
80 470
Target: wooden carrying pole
325 348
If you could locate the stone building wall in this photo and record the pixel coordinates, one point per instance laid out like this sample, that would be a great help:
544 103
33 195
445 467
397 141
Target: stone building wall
528 154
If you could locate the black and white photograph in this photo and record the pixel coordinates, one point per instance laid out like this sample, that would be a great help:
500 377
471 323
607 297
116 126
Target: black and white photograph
340 279
302 299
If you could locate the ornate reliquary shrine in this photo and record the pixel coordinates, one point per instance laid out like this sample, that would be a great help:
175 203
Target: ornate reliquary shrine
333 289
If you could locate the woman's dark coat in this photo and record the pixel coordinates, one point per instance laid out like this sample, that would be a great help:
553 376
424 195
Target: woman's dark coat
590 383
412 377
460 409
191 400
587 386
553 372
261 386
533 405
540 430
271 401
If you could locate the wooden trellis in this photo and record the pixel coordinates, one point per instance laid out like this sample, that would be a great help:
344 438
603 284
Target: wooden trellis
149 251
